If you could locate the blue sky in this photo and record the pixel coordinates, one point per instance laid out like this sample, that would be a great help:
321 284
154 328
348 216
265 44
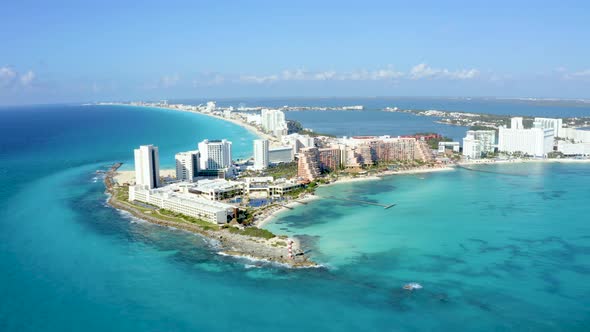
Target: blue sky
55 51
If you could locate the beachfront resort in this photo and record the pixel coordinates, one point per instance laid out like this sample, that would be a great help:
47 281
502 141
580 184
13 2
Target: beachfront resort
287 165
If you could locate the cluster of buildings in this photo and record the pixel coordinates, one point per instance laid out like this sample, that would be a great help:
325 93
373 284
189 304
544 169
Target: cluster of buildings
273 122
536 141
545 136
177 197
212 158
359 151
201 189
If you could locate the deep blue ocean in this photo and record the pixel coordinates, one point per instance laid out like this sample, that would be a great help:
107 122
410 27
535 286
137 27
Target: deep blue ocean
494 252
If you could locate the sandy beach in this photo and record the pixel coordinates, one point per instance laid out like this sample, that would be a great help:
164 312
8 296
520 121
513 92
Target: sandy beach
417 171
270 214
122 177
242 124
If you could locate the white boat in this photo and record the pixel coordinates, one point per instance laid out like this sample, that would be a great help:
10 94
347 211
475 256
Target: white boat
412 285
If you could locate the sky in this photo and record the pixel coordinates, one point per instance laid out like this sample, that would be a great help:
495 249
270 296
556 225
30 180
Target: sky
78 51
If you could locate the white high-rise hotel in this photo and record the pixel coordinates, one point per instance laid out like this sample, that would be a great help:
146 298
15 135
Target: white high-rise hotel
477 142
273 121
536 141
555 124
147 166
215 154
261 155
187 165
471 146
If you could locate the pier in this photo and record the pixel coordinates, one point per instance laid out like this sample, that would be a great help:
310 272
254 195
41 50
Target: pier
491 172
385 206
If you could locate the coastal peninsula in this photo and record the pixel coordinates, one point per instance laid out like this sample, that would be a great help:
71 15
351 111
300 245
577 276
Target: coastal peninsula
230 202
258 245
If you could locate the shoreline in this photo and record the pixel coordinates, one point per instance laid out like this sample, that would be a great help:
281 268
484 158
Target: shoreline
252 129
275 213
268 218
273 250
521 161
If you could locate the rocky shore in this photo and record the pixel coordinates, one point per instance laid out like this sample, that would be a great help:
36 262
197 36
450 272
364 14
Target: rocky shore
239 245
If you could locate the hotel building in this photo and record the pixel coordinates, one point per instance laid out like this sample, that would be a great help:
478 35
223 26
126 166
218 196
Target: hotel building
187 204
548 123
536 142
472 147
273 121
308 167
215 154
298 141
147 166
187 165
261 154
477 142
281 154
216 189
577 135
329 158
368 150
443 146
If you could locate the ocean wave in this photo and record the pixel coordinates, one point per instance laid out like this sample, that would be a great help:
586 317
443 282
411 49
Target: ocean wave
265 261
132 219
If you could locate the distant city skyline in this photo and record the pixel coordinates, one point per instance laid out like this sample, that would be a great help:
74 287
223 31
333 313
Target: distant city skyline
83 52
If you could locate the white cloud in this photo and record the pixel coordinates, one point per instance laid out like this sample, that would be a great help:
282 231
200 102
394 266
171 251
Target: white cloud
324 76
387 73
420 71
423 71
294 75
208 79
7 76
169 81
27 78
10 78
258 79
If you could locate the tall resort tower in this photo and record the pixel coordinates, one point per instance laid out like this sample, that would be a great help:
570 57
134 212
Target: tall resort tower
147 166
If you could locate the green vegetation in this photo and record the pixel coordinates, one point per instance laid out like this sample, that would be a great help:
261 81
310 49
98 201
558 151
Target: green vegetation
433 142
295 127
555 155
251 231
179 217
279 244
246 217
489 155
295 193
284 170
121 193
482 128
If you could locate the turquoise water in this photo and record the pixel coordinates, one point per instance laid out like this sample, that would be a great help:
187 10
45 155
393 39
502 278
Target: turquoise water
494 252
505 249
